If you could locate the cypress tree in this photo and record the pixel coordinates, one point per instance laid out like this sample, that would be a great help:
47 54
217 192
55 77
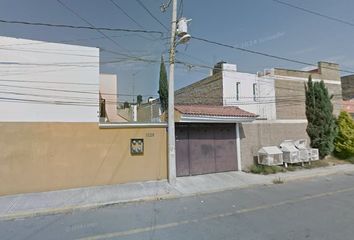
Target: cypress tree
163 87
321 126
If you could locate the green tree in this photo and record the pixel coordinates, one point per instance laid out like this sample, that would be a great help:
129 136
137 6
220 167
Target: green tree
163 86
126 105
321 126
139 99
344 142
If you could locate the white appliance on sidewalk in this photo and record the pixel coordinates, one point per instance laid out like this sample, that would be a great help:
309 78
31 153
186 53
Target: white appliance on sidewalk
270 156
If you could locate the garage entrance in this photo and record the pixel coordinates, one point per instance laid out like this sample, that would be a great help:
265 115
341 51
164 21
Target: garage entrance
205 148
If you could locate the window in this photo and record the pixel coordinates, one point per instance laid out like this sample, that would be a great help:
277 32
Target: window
254 91
237 91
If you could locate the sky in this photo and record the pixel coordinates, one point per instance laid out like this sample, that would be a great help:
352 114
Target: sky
259 25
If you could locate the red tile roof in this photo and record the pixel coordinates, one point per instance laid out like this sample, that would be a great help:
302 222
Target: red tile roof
211 110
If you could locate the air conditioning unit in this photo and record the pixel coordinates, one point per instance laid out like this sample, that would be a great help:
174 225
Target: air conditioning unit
290 153
306 154
270 156
314 155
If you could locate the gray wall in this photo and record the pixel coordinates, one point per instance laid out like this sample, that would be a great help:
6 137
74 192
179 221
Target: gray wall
149 112
348 87
256 135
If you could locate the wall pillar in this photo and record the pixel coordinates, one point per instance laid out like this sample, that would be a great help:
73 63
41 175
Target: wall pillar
238 147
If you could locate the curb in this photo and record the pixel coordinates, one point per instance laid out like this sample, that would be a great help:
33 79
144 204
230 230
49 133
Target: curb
299 178
172 195
70 209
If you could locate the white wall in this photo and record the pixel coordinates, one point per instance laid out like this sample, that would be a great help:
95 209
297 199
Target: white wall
109 92
266 94
246 80
263 105
48 82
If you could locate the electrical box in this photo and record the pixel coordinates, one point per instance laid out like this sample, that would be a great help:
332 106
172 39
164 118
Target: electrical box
137 146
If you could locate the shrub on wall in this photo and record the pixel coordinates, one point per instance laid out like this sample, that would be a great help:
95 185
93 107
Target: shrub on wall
344 142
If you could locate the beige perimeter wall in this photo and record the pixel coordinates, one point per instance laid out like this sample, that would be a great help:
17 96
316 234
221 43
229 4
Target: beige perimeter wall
256 135
36 157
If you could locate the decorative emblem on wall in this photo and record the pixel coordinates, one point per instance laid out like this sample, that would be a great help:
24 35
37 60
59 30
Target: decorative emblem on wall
137 146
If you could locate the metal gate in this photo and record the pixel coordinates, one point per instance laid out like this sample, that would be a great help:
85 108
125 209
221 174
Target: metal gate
205 148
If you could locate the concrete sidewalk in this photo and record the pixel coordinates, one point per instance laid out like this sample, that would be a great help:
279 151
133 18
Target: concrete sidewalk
34 204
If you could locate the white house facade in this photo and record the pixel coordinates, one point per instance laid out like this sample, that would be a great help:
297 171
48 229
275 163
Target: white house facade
48 82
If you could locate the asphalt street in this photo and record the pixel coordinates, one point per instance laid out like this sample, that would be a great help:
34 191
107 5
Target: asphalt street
319 208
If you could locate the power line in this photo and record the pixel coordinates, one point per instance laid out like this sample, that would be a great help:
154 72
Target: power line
77 40
48 82
6 99
264 54
125 13
288 97
100 32
129 57
58 64
263 80
280 103
315 13
152 15
86 21
69 90
47 52
180 9
80 27
81 64
87 100
193 57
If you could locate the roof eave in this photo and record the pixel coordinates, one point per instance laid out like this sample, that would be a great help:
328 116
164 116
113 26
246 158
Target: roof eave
215 119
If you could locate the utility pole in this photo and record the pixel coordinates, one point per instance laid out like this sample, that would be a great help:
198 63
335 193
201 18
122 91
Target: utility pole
171 96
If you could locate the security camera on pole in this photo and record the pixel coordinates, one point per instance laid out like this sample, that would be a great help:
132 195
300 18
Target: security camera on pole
183 37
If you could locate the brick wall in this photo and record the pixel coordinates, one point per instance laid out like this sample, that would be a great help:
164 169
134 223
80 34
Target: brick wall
290 98
325 71
207 91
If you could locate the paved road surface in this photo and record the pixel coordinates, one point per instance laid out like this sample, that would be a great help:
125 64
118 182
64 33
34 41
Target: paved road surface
320 208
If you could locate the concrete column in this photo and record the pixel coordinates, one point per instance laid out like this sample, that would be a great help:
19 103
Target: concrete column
135 113
171 99
238 147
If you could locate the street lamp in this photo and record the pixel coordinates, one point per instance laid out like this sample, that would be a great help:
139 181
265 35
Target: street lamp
183 38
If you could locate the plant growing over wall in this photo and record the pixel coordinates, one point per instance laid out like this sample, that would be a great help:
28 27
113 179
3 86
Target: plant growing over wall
321 126
344 142
139 99
163 86
126 104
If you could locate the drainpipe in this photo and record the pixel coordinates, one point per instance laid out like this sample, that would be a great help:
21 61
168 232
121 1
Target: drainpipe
238 147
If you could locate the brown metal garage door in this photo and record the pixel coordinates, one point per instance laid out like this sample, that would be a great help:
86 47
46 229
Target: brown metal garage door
205 148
